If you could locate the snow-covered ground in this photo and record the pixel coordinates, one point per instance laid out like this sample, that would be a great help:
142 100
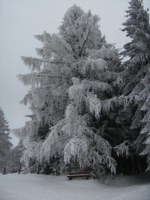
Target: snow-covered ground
42 187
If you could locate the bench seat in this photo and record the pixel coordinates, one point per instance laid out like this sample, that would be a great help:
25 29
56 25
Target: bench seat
78 174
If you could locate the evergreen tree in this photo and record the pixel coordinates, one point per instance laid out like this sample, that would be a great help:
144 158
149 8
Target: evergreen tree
137 75
138 49
137 28
73 86
5 144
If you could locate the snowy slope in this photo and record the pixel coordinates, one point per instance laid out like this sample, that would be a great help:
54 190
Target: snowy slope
41 187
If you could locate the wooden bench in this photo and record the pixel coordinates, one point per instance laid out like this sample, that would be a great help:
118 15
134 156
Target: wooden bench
81 174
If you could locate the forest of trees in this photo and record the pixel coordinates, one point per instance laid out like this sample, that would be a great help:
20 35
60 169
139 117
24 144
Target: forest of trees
5 144
10 156
90 109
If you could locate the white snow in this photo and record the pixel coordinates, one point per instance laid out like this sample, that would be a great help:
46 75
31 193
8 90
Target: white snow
45 187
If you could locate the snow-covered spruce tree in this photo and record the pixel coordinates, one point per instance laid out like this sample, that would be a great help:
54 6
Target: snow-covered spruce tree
73 84
137 28
5 144
76 138
137 75
138 49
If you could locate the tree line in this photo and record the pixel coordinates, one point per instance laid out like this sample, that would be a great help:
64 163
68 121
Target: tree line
10 156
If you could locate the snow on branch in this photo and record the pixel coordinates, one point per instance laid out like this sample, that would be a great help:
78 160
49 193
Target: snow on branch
146 118
33 151
75 124
38 79
55 142
33 63
55 48
29 79
111 164
60 48
94 65
122 149
76 91
106 53
77 148
96 86
114 102
27 98
45 37
146 105
100 155
94 105
147 142
146 128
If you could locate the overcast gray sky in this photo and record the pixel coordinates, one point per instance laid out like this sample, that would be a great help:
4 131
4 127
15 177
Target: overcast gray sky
20 20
